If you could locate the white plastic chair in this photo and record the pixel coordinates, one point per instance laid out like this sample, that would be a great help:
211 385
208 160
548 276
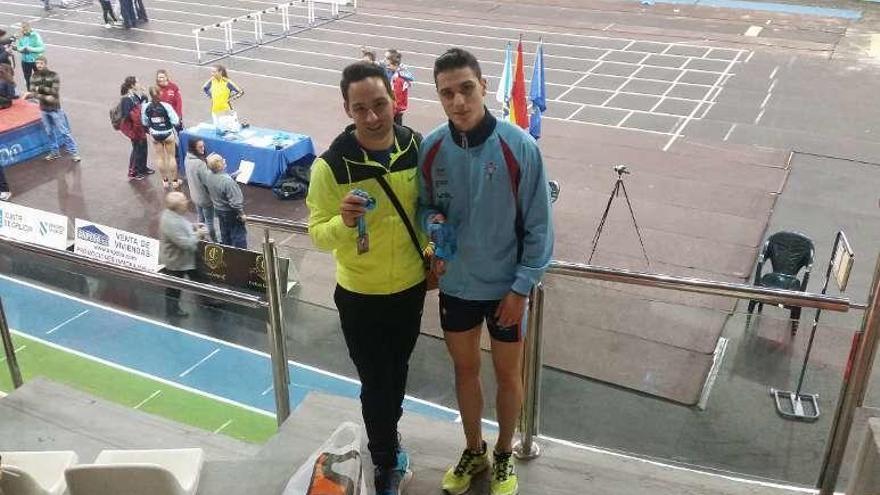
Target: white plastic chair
35 473
138 472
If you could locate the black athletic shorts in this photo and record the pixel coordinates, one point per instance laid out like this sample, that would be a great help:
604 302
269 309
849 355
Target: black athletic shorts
460 315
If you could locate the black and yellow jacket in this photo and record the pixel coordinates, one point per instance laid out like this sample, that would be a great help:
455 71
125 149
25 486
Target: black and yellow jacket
392 264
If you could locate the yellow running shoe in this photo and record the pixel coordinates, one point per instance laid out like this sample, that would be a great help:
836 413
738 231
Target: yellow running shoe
504 481
458 479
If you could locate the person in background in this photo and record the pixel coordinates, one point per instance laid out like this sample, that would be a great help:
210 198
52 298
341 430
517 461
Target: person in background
109 15
222 92
178 240
197 175
169 93
401 79
161 122
140 11
7 87
7 94
5 194
6 56
126 10
132 97
30 45
46 87
368 55
228 203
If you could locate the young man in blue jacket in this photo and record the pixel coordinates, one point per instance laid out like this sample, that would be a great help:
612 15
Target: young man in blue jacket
485 178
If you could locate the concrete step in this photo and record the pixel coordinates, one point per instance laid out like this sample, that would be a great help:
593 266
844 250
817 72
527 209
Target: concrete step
44 415
562 469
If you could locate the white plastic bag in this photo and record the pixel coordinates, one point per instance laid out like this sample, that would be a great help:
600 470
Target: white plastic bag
336 468
228 122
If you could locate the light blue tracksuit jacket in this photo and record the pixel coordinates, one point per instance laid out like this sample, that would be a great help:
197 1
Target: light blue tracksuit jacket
470 179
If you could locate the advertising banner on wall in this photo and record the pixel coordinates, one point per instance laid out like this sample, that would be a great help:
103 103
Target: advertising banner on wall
116 246
32 225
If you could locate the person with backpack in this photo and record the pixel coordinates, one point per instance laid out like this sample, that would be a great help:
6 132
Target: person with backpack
401 79
486 179
126 118
161 122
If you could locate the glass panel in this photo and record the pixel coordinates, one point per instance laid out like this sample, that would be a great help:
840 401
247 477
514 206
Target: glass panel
633 369
125 342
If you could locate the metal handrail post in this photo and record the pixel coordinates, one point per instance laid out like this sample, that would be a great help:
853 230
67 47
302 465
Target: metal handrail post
275 326
11 361
853 389
526 448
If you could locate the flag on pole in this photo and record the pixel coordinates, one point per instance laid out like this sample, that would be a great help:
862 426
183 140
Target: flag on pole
504 87
518 111
537 93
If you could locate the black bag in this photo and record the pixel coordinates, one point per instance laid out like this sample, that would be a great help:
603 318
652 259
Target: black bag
116 115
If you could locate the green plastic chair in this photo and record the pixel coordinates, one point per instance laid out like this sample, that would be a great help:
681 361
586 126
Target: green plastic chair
789 253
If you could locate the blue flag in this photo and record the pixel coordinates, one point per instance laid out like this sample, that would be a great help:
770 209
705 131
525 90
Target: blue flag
537 94
506 83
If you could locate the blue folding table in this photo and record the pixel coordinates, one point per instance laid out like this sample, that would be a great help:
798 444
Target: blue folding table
270 150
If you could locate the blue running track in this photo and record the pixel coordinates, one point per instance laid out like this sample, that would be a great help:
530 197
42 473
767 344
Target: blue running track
230 372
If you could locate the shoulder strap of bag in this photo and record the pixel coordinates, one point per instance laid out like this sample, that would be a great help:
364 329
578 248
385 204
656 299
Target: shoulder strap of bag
400 211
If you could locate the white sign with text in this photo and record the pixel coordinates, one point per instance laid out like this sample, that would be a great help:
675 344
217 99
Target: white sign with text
32 225
116 246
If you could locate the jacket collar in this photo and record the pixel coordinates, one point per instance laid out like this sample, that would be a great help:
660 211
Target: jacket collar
476 136
346 144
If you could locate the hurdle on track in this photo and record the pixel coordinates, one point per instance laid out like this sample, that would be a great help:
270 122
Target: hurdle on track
268 25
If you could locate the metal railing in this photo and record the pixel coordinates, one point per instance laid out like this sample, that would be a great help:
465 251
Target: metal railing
855 381
279 224
272 303
853 388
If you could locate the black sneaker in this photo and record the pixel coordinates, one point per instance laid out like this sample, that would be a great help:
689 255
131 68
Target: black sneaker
149 171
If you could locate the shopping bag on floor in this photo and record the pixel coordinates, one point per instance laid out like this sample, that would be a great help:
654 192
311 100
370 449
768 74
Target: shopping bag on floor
336 468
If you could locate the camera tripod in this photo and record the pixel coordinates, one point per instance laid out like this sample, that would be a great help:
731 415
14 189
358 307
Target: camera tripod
619 186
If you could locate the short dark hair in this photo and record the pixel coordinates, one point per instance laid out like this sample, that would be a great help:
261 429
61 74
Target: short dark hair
456 58
359 71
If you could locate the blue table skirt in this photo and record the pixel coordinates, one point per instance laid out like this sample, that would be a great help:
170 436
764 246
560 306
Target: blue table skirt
23 143
270 163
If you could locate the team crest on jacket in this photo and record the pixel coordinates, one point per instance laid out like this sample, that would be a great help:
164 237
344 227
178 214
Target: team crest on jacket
490 168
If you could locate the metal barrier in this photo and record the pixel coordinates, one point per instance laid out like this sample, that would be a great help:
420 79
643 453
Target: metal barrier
853 391
272 303
260 36
9 349
855 381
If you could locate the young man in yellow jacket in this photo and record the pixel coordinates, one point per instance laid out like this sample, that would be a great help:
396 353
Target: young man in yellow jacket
380 274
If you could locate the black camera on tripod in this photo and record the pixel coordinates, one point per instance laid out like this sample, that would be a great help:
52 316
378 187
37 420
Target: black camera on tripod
621 169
